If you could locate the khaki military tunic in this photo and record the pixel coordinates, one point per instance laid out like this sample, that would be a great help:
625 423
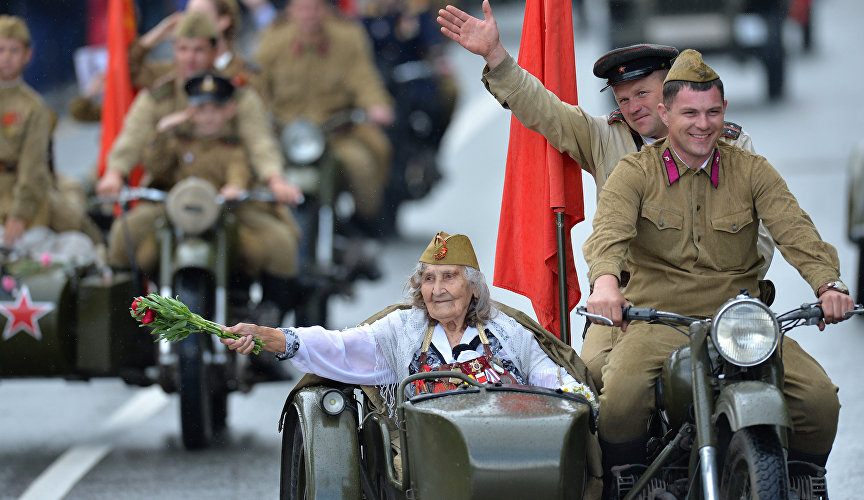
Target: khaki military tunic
25 132
250 125
317 80
268 237
598 143
691 235
29 189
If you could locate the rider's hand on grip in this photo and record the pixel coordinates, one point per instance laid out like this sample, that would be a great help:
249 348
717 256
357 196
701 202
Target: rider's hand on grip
835 305
607 300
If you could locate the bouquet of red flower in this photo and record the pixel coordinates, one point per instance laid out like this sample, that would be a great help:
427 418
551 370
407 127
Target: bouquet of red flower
172 320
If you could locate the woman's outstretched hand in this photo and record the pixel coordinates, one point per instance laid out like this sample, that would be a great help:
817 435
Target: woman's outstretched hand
274 339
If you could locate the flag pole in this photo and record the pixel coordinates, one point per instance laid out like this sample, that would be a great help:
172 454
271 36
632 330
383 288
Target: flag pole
563 310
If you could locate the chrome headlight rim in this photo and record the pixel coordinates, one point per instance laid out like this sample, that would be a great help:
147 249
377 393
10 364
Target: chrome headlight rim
722 339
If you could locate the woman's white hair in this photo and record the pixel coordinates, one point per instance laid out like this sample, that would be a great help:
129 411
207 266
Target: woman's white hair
480 309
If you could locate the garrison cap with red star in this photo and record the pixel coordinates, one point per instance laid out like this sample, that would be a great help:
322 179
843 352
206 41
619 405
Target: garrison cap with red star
633 62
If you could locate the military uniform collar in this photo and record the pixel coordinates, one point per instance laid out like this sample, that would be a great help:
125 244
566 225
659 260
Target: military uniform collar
320 46
673 169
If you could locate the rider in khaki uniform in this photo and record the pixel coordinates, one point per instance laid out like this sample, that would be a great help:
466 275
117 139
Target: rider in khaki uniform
29 192
685 209
201 146
316 65
194 50
634 74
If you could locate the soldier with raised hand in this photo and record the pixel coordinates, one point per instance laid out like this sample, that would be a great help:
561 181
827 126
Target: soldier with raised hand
316 65
634 74
29 189
195 52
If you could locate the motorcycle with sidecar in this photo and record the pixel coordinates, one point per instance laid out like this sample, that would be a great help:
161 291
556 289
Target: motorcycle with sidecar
719 431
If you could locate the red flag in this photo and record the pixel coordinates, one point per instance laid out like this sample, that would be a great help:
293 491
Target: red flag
118 84
540 180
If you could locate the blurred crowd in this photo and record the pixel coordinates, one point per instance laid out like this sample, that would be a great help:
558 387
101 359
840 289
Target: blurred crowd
220 88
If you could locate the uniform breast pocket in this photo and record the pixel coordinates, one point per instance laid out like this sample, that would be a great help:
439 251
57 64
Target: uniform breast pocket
660 229
734 239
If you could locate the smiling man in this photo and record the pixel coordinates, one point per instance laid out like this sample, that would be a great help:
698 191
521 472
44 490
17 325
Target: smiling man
685 209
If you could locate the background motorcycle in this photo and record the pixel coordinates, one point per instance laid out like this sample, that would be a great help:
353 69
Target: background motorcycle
721 425
329 261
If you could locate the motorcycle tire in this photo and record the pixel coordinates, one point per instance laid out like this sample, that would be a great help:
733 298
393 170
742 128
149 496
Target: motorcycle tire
755 466
196 392
293 485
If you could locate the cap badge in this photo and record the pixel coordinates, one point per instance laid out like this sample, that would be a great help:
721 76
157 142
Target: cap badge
440 254
621 69
208 85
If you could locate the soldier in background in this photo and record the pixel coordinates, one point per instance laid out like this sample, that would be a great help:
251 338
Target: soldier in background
315 65
200 143
30 196
195 52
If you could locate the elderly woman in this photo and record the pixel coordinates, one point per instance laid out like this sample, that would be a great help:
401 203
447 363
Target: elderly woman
452 325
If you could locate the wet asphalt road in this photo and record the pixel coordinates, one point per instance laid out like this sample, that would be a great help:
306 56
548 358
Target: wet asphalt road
106 440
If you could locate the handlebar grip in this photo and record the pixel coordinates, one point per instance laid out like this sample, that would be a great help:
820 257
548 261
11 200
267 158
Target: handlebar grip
638 313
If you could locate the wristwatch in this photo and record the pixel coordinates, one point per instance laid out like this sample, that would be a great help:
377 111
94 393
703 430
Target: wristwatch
832 285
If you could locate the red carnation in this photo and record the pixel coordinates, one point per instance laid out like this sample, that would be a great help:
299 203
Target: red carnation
149 316
135 304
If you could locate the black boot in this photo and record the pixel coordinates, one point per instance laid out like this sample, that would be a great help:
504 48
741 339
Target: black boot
619 456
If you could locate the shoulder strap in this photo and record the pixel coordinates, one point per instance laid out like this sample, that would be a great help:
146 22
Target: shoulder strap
731 130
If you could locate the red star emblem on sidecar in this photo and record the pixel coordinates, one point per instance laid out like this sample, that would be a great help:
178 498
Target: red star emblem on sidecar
22 315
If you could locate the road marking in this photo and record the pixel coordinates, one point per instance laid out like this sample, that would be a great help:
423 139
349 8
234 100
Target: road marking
62 475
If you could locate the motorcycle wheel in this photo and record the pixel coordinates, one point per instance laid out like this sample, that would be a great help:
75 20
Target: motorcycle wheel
293 485
196 393
755 466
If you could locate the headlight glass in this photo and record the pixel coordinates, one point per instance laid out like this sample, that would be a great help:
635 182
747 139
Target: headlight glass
745 332
303 142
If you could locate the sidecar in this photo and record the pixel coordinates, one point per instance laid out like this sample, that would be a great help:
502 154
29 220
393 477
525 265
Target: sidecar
478 441
474 442
72 321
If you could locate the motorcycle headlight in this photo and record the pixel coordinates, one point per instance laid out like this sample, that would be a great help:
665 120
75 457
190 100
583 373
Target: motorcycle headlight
302 142
191 206
333 402
745 331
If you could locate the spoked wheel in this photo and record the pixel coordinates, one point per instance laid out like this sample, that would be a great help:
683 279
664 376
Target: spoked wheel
293 481
194 353
755 467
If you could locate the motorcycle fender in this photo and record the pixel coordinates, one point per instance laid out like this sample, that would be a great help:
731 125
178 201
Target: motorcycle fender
749 403
331 445
194 252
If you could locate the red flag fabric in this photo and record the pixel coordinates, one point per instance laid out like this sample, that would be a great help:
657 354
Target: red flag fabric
539 180
118 84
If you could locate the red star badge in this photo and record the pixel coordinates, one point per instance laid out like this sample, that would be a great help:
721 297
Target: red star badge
23 314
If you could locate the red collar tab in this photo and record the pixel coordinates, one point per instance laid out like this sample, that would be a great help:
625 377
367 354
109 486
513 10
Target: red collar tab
715 168
671 167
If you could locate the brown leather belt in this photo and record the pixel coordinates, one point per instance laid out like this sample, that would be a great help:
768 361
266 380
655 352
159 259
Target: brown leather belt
8 166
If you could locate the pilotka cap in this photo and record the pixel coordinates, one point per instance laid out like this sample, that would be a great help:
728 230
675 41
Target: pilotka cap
208 87
450 250
14 27
196 25
689 67
633 62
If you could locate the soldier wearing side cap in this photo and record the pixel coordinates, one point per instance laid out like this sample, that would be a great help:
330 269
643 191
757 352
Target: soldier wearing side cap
634 74
30 193
685 209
